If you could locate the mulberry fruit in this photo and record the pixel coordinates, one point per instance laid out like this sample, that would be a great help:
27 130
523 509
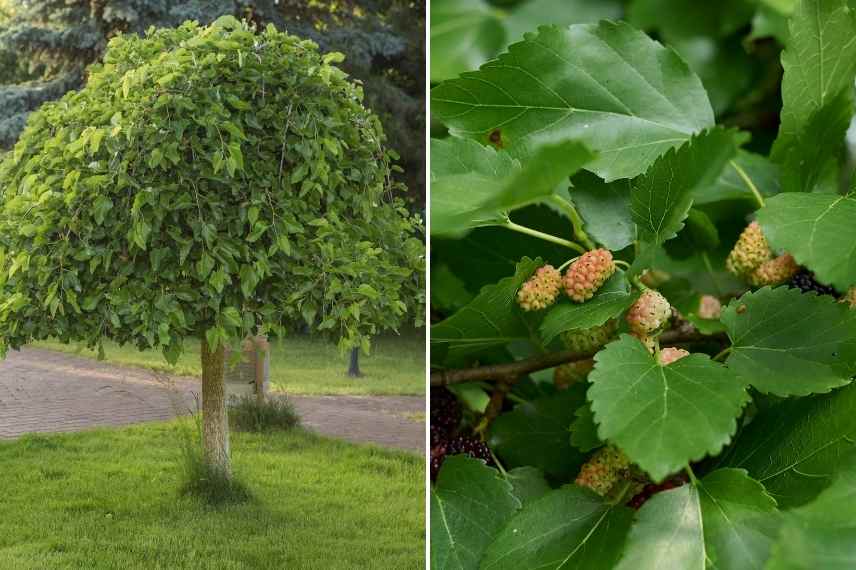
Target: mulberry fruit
806 282
650 490
445 415
709 307
649 313
775 271
590 340
587 274
750 251
606 470
567 375
671 354
541 290
462 444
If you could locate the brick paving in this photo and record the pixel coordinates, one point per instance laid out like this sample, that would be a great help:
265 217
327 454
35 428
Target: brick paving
47 391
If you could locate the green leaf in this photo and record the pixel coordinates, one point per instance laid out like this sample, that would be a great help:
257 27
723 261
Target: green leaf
536 433
763 173
612 299
606 85
605 209
728 520
464 34
788 343
473 185
570 527
794 448
204 266
661 198
818 230
667 534
819 64
528 483
469 505
491 319
663 417
368 291
100 208
233 316
822 534
584 430
740 520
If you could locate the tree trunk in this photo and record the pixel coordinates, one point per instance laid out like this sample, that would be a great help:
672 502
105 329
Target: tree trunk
215 423
354 367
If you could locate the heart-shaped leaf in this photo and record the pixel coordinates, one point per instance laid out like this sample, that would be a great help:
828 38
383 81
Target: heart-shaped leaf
663 417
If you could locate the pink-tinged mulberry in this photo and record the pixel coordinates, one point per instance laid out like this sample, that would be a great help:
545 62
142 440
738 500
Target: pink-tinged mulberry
775 271
671 354
750 251
590 340
566 375
541 290
587 274
709 307
607 470
649 313
850 297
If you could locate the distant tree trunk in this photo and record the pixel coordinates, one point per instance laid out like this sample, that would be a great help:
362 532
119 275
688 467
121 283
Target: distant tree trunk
215 424
354 367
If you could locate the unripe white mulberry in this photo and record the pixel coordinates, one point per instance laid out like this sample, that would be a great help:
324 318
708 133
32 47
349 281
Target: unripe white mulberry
567 375
750 251
850 297
541 290
775 271
649 313
587 274
590 340
608 471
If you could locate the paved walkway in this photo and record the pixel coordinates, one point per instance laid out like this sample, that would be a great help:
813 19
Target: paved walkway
46 391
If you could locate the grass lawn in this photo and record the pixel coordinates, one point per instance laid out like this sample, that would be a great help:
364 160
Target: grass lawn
303 365
110 499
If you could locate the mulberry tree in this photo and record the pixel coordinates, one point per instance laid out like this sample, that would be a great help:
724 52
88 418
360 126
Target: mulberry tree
206 183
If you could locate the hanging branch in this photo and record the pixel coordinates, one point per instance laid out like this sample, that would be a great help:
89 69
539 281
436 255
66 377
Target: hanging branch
510 372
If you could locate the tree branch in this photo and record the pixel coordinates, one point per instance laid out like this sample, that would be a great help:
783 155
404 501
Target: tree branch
510 372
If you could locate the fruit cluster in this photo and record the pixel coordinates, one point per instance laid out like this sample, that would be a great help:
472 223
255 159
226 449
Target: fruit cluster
445 440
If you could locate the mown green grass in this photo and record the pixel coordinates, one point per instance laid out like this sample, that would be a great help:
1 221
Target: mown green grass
302 365
110 499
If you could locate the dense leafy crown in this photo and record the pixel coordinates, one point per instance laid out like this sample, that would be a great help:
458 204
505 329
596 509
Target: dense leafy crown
205 181
687 402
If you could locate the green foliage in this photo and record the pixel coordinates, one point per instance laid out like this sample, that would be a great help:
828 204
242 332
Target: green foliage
774 350
468 496
663 417
200 480
150 206
701 118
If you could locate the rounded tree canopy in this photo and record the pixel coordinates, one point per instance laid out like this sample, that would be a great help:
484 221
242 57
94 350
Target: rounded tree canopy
212 182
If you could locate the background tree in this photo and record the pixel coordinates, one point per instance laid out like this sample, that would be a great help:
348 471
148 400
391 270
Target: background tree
46 45
211 183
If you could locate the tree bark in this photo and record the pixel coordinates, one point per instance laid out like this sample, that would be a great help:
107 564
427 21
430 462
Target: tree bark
354 367
215 423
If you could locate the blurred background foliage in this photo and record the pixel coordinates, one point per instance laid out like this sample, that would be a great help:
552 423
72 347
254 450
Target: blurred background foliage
45 46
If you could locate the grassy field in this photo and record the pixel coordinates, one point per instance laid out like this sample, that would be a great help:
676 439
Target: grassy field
109 499
303 365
